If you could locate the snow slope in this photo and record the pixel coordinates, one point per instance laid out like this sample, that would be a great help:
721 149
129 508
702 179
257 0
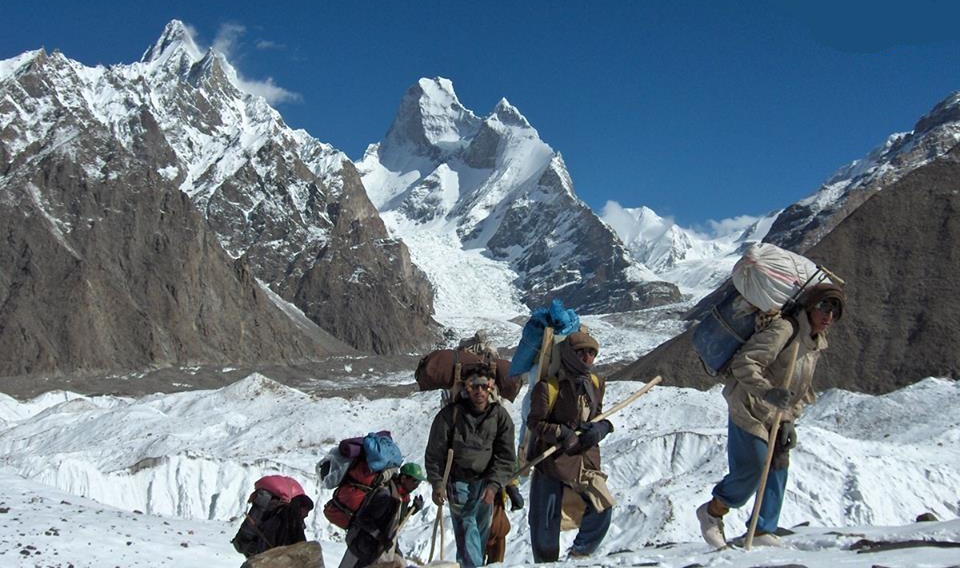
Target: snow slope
161 480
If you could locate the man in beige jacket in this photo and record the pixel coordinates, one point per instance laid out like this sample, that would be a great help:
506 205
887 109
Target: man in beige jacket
755 391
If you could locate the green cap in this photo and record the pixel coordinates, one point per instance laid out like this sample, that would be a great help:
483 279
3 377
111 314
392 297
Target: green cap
413 470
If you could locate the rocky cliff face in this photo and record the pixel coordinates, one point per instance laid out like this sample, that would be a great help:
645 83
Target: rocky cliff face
898 256
567 253
105 266
289 208
898 252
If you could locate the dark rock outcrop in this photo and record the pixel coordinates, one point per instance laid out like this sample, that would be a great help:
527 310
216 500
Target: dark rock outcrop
301 555
363 285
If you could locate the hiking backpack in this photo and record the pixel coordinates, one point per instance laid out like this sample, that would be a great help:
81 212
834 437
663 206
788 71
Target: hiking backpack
374 459
767 281
271 494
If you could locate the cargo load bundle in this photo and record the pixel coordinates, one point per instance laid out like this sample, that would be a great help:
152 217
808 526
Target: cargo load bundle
278 506
767 281
444 368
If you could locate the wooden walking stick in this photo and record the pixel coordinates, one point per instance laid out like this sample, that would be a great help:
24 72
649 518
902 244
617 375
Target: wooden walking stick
438 522
771 444
616 408
546 345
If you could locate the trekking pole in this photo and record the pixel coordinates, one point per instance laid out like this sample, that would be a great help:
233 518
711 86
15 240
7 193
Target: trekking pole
616 408
438 522
396 535
771 444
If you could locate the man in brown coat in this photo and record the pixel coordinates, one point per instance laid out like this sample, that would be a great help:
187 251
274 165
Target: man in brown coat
755 390
561 408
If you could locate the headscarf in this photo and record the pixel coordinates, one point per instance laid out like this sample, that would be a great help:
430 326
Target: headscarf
580 370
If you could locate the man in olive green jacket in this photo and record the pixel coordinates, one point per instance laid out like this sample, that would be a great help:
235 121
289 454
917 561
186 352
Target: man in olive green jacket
755 390
480 433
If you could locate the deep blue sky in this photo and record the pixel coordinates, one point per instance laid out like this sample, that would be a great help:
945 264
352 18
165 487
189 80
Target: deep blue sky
694 109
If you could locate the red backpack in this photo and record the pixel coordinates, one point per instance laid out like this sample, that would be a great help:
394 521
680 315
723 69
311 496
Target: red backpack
360 480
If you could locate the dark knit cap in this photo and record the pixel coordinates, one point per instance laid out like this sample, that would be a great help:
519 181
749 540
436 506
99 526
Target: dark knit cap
821 292
583 340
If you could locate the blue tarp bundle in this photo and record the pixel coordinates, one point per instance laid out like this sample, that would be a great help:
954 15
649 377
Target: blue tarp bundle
563 321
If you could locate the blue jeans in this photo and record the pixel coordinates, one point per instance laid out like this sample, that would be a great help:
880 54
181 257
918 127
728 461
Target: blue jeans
746 455
546 499
471 521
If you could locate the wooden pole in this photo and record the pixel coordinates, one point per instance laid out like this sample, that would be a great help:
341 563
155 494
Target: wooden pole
616 408
438 522
543 361
771 445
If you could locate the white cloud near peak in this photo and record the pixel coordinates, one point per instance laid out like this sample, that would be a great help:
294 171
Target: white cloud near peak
268 90
731 225
228 37
228 41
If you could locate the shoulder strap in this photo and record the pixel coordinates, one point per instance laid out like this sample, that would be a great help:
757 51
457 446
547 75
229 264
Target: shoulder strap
453 424
793 324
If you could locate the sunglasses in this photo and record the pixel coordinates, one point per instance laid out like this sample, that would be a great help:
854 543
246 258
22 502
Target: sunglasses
472 386
828 307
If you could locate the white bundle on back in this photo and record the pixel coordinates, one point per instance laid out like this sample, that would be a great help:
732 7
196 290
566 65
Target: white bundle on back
767 275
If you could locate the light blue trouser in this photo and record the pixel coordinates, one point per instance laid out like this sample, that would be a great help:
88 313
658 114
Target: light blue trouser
546 499
746 455
471 521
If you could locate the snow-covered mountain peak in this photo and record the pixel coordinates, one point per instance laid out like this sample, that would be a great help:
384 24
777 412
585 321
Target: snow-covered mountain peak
438 89
175 43
646 221
655 241
694 261
14 65
175 57
39 61
494 190
509 114
431 121
945 112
